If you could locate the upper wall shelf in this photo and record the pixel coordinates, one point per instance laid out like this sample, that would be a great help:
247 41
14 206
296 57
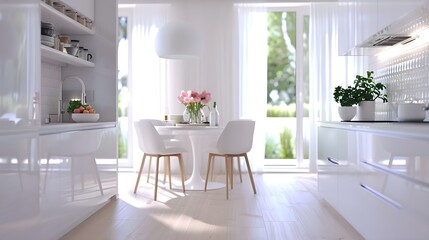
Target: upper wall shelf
56 57
62 23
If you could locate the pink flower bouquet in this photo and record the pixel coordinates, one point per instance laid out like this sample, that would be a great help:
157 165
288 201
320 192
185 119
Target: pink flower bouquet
194 102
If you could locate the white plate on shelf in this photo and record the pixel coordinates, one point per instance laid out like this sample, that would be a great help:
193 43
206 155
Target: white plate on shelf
85 117
47 38
49 44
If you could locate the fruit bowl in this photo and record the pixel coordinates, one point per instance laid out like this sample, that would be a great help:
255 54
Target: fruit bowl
85 117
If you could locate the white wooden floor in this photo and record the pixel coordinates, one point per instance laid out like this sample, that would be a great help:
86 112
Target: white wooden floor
286 206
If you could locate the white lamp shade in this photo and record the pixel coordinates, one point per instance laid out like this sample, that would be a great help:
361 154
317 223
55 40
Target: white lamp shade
178 40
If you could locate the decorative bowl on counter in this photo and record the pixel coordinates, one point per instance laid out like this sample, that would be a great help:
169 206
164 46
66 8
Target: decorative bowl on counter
85 117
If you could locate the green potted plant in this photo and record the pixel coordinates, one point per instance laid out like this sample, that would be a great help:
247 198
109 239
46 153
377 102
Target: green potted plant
367 92
347 98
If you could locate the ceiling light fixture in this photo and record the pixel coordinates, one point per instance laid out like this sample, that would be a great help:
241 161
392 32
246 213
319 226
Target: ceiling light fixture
178 40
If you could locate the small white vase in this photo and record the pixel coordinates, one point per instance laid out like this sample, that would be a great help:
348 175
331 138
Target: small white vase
347 113
366 111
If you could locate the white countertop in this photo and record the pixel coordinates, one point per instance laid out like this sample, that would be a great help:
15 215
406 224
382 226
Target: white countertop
418 130
67 127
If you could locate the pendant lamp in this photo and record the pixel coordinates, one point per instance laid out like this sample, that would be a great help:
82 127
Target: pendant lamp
178 40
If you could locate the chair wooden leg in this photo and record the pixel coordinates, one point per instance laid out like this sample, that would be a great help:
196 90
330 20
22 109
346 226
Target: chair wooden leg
182 171
165 169
226 174
231 172
239 168
250 173
208 172
140 173
212 167
169 170
148 171
156 178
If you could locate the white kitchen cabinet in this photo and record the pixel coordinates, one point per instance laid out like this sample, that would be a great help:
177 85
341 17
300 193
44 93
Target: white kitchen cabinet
77 177
44 201
389 11
394 182
328 165
383 186
19 185
336 160
359 20
40 201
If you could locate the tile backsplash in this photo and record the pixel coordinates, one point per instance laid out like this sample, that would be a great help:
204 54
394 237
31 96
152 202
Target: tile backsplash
404 69
50 89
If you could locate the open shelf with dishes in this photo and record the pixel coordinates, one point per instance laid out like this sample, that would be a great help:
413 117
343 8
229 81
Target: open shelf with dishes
62 23
56 57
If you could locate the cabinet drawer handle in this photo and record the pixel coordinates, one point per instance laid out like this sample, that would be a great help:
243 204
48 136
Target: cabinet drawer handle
333 161
382 197
393 172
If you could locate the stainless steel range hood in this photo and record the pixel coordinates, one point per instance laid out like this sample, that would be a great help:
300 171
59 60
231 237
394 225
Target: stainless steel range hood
386 40
403 31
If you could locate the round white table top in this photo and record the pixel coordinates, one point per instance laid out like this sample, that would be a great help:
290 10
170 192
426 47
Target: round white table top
188 128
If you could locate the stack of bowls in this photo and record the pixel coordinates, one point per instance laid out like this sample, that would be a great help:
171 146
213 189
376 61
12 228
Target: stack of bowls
47 37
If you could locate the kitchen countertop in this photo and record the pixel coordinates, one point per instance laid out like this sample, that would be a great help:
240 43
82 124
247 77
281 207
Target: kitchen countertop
68 127
419 130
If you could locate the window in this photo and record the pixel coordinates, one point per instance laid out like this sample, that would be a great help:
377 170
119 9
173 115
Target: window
287 88
123 92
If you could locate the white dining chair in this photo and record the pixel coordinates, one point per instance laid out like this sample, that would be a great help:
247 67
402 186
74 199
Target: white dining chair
169 141
236 140
153 145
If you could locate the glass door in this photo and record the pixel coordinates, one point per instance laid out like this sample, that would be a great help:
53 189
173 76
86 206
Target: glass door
287 135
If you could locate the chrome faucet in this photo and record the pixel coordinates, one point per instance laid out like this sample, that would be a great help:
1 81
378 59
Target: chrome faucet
82 97
83 94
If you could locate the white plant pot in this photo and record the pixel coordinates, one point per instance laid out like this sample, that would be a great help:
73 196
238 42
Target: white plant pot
347 113
366 111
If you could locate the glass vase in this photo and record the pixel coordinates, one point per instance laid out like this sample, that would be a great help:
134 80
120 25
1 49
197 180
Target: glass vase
194 116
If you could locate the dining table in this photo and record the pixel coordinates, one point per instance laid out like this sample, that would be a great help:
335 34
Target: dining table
200 136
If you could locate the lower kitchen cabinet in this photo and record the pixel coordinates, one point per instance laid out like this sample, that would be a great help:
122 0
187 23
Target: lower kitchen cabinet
336 163
51 181
381 182
328 165
19 185
78 175
396 208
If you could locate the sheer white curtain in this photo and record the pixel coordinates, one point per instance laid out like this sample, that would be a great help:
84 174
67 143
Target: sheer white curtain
327 68
232 65
147 75
252 74
212 71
